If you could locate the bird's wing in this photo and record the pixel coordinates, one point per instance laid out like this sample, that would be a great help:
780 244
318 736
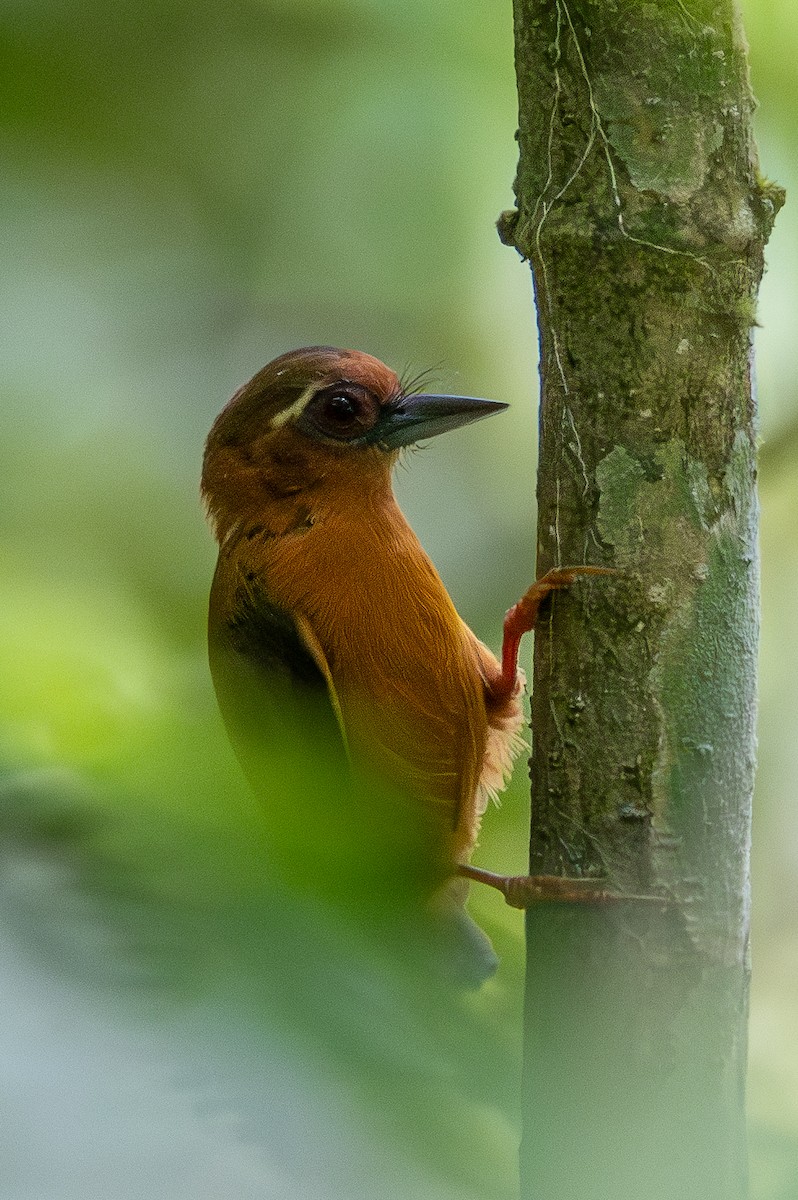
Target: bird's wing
313 645
271 676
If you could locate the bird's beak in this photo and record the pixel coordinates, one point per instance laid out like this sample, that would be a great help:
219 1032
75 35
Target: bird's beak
413 418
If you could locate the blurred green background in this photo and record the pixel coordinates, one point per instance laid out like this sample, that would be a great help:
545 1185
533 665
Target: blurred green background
189 190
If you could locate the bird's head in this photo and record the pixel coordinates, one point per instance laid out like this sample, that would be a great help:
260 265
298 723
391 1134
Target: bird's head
316 416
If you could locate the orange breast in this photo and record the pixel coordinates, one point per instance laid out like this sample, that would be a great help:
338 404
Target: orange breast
406 669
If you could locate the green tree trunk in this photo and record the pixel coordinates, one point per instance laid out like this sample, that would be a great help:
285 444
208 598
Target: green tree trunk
643 216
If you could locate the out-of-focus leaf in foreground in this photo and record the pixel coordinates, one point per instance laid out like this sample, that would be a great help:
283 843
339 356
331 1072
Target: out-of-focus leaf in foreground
183 1001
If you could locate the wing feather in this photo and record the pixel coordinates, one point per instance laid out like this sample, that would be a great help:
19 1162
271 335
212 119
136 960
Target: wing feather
314 647
272 680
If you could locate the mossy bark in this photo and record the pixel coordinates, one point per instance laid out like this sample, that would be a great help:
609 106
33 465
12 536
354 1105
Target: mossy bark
644 218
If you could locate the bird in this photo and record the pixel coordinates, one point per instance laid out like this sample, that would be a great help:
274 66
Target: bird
330 630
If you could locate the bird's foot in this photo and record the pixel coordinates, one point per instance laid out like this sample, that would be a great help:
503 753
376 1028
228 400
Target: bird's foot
522 891
522 616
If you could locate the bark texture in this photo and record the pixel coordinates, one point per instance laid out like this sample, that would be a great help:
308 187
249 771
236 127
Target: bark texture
644 218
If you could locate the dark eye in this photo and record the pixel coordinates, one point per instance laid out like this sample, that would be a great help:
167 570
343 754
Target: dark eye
341 408
345 412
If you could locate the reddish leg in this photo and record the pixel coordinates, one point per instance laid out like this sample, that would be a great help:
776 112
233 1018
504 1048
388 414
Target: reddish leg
522 890
522 618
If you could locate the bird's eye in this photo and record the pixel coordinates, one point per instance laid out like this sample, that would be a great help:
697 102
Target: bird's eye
340 408
345 412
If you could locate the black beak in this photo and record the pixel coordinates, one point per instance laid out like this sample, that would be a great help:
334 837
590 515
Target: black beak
413 418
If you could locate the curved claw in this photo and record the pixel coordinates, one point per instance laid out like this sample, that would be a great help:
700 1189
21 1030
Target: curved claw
558 577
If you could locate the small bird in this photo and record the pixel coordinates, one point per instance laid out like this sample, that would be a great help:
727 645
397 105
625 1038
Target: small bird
327 616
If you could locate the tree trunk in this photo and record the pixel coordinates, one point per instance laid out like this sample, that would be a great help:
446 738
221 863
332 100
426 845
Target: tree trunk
643 216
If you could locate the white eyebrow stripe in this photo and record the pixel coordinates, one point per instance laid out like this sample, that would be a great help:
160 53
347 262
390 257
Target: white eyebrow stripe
295 409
